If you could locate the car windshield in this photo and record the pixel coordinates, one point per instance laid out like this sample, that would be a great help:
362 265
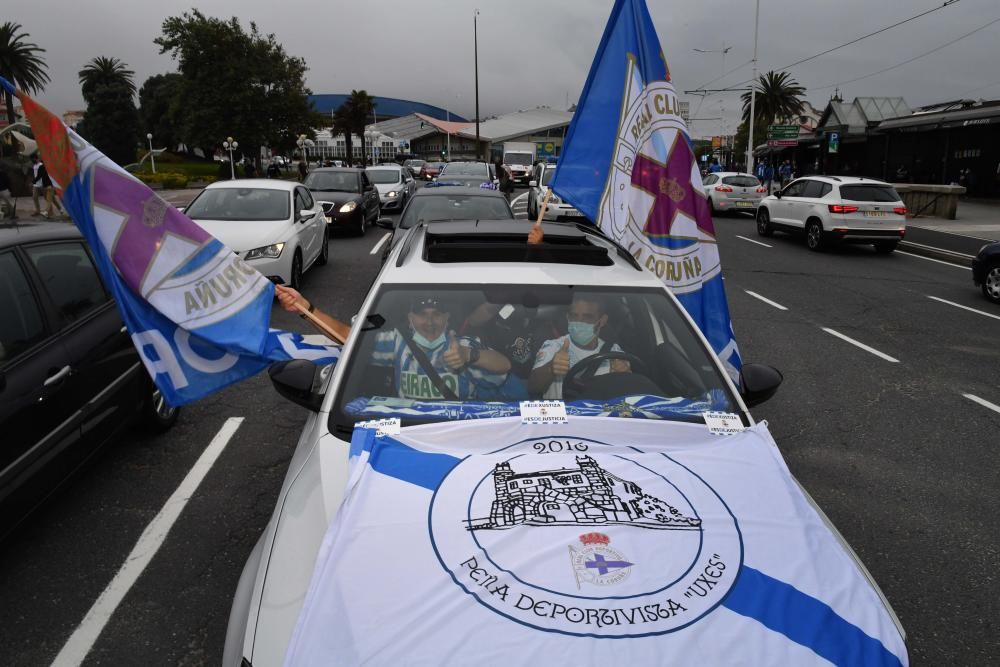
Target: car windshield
880 193
454 207
652 364
547 176
240 204
523 159
383 176
333 181
465 169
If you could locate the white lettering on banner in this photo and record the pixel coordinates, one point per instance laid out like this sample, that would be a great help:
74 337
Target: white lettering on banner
166 362
198 362
543 412
652 547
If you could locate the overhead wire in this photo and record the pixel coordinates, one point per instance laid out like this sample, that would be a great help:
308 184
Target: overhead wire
909 60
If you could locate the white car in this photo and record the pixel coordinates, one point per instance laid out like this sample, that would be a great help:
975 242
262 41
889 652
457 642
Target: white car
395 185
836 208
733 191
275 226
464 268
557 210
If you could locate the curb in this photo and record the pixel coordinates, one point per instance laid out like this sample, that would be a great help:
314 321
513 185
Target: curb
941 254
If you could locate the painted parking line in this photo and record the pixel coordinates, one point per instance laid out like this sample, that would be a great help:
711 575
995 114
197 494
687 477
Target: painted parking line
866 348
958 305
752 241
983 402
931 259
382 241
765 300
83 638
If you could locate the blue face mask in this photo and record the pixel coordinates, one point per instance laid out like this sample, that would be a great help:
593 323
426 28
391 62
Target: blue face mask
422 341
581 333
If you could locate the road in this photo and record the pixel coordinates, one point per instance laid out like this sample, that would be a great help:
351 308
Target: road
888 416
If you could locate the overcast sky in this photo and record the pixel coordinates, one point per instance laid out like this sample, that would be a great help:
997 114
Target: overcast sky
538 52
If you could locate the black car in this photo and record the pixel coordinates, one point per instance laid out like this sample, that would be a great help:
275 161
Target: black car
349 199
70 377
986 271
450 202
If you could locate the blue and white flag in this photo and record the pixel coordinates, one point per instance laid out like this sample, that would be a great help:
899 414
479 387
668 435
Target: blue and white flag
600 541
627 164
197 313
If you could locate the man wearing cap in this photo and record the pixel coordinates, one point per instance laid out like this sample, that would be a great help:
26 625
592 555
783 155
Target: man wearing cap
461 363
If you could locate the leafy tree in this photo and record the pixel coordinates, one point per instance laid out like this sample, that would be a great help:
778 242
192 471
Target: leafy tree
159 102
236 83
111 122
778 96
360 106
20 63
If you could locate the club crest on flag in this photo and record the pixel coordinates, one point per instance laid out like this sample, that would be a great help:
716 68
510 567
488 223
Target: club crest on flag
490 508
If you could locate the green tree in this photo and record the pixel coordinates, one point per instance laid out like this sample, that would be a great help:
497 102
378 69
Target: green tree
159 101
111 122
236 83
360 107
778 97
20 63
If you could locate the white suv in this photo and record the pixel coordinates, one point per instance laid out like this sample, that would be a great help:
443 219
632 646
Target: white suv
836 208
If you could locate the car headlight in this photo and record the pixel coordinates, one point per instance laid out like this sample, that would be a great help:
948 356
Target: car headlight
391 194
348 207
272 251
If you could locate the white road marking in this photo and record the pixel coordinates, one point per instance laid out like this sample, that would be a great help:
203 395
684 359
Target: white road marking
986 404
931 259
930 247
958 305
83 638
378 246
752 241
864 347
765 300
520 199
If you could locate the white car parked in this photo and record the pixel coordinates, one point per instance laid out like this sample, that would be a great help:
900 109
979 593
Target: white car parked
836 208
395 185
733 191
275 226
557 210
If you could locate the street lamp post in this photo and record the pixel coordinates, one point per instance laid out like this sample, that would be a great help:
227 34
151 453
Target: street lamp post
475 46
370 136
304 143
152 159
230 145
753 91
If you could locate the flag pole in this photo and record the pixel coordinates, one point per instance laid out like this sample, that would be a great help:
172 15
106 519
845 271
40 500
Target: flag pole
323 327
544 206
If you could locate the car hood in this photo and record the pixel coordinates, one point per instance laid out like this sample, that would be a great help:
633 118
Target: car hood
339 198
243 236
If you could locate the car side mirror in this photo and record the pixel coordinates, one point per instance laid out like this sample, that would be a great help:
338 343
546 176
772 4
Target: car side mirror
777 193
532 184
385 223
758 383
306 214
297 380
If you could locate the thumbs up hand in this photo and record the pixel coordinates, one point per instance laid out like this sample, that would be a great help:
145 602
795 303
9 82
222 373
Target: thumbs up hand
560 362
453 356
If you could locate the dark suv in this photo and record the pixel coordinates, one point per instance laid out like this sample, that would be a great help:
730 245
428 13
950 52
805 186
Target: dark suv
70 377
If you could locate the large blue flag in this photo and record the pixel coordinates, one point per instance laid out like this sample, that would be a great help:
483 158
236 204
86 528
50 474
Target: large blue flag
197 313
627 164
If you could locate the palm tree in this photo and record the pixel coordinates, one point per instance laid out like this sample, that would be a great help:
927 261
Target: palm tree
102 71
342 125
778 97
20 63
360 107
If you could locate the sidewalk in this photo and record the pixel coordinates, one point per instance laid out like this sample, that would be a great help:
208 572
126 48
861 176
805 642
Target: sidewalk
958 240
25 207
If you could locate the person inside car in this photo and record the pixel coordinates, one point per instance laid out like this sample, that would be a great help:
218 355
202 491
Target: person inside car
429 361
586 317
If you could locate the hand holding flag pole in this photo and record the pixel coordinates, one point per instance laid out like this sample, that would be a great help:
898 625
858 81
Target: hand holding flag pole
323 327
536 235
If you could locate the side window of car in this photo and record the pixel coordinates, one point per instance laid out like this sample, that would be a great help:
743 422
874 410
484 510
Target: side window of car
364 181
710 179
69 277
812 189
307 198
21 325
826 189
795 189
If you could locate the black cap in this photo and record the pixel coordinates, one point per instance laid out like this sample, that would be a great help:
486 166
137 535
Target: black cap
419 303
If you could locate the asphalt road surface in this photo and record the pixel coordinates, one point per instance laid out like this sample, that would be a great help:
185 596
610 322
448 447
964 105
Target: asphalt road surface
888 416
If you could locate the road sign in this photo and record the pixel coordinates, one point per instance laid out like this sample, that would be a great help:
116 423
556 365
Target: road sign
716 142
833 142
783 132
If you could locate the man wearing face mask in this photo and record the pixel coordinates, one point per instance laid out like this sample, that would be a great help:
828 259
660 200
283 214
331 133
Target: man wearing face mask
586 318
462 362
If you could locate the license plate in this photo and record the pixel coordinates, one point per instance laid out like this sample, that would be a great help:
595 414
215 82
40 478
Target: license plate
875 214
328 219
744 203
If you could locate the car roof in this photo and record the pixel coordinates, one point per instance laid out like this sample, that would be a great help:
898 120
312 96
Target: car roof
344 170
446 253
846 180
732 173
255 183
436 190
31 232
384 167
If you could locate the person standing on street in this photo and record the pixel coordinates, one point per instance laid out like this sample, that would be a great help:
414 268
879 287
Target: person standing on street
715 168
37 189
7 208
303 169
785 172
506 182
272 170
